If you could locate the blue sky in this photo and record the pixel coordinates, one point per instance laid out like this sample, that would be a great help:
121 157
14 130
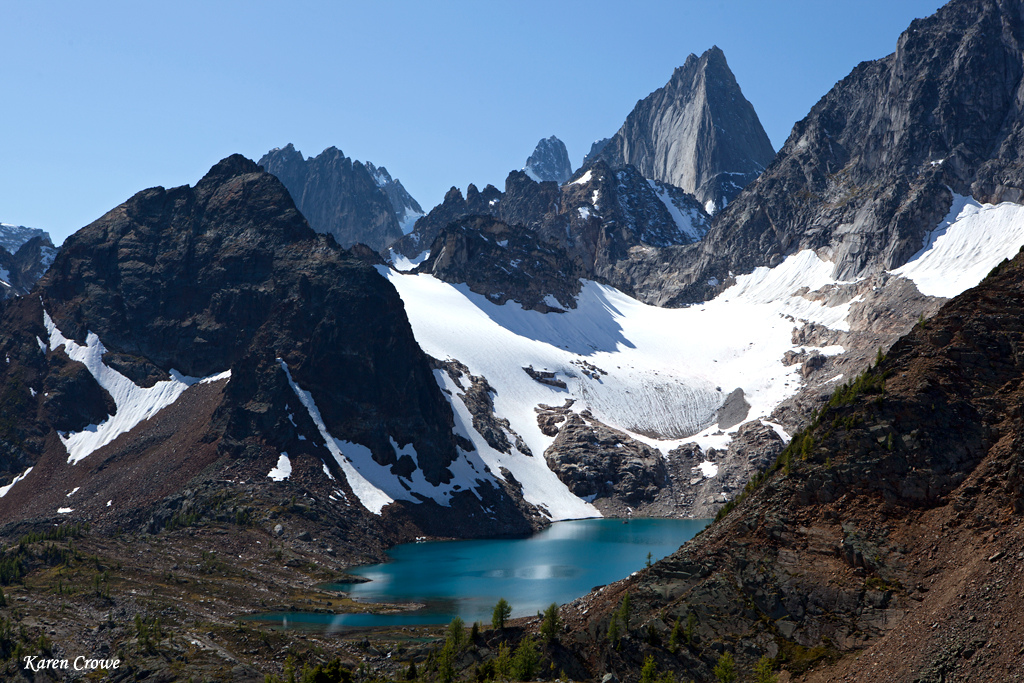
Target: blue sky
101 100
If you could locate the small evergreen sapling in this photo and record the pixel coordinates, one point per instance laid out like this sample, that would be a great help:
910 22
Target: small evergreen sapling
502 611
551 624
725 669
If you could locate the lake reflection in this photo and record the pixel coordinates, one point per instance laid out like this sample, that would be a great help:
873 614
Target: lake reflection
466 578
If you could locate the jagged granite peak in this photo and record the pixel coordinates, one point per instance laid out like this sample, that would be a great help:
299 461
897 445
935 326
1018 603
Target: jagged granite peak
697 132
407 210
595 149
549 161
866 174
228 275
338 196
20 271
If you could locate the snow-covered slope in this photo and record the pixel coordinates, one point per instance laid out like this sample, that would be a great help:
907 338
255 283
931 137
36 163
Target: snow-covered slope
376 486
134 403
965 246
662 374
659 374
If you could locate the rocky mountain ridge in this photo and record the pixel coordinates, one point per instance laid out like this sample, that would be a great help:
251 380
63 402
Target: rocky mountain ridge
887 528
864 176
598 218
356 203
323 367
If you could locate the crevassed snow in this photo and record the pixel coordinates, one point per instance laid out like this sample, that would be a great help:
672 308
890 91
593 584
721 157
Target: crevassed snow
282 470
5 489
134 404
966 245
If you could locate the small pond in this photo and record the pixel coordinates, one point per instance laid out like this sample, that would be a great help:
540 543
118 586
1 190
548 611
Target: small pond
466 578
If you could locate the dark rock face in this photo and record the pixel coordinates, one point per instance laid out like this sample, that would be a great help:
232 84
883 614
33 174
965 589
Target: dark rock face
549 162
902 497
452 208
597 220
504 263
596 461
864 176
698 133
338 196
25 266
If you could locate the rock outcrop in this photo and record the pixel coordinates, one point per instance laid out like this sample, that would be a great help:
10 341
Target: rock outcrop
503 264
598 462
20 270
698 133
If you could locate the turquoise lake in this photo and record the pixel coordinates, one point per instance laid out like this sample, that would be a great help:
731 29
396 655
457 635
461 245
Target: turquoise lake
466 578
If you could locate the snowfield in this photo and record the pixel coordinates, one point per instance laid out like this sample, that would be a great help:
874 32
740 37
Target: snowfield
662 374
659 374
966 245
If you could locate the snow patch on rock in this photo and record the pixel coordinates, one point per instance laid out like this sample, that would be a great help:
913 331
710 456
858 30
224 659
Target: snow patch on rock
134 404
